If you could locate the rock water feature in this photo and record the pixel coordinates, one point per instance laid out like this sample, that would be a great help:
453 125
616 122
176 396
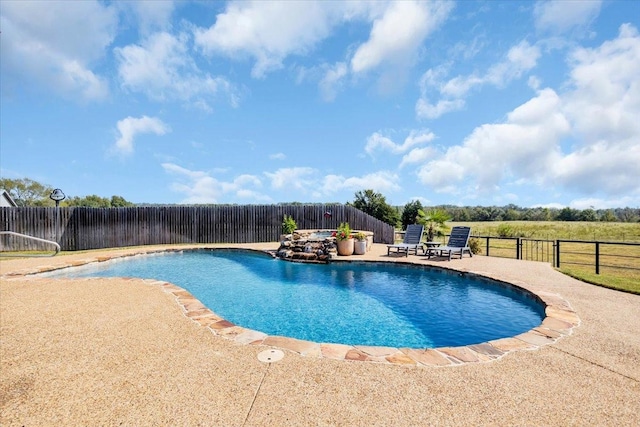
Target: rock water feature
311 245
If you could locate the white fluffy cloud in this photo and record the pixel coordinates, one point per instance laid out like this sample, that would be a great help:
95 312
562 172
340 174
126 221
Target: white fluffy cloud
299 178
277 156
426 110
382 181
418 156
603 105
41 45
522 146
379 142
161 67
265 31
585 139
151 15
605 88
610 203
294 183
558 16
518 60
397 34
201 187
332 81
306 181
130 127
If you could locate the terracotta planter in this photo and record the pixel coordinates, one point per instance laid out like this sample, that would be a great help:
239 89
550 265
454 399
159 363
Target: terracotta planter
345 247
360 247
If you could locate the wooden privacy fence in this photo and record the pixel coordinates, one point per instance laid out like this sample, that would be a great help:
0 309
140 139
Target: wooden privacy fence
79 228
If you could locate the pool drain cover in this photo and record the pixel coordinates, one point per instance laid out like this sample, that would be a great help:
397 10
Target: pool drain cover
270 356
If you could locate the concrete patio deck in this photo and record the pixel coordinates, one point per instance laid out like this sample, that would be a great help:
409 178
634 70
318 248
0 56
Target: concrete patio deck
123 352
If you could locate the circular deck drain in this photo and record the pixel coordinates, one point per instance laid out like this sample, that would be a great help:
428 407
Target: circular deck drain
270 356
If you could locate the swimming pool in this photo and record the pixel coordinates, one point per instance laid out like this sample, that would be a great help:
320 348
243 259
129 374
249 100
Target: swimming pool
357 303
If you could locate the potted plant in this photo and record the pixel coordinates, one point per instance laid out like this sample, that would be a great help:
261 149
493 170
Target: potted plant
360 245
434 220
288 224
344 239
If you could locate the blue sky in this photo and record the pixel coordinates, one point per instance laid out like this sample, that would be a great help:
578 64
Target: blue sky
258 102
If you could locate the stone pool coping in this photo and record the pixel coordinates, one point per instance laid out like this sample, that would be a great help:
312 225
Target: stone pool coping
559 322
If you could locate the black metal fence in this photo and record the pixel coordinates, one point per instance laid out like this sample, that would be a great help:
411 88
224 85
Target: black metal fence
592 254
80 228
610 255
519 248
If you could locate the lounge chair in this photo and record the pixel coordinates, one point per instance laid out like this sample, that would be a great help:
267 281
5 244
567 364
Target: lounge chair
410 243
458 244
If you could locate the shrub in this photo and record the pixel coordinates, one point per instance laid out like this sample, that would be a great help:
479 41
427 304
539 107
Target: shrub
288 225
505 230
474 245
360 236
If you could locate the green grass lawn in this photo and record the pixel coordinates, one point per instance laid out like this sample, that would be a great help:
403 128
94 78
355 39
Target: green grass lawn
620 280
552 230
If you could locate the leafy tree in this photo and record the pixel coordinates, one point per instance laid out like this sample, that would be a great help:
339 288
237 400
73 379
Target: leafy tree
494 213
628 214
567 214
120 202
460 214
92 201
434 220
410 213
511 213
608 216
27 192
95 201
479 213
587 215
537 214
375 204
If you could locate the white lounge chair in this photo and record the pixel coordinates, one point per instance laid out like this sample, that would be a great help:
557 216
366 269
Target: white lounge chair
458 244
410 243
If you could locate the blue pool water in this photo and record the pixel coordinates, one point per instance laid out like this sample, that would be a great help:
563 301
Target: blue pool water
348 303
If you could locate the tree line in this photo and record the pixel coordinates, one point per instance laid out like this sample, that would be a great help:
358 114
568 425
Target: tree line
375 205
516 213
27 192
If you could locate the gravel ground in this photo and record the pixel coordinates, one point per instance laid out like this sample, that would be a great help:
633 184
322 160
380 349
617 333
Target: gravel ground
121 352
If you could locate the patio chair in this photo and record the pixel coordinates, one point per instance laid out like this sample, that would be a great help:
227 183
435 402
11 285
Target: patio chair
458 244
410 243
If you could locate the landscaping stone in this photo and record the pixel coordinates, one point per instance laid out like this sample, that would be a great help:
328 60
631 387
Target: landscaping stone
306 246
302 247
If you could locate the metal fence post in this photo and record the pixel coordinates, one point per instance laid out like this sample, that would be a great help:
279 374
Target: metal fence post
488 238
518 248
557 253
597 257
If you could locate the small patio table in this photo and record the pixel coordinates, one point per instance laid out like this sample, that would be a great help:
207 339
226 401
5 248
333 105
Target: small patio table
428 247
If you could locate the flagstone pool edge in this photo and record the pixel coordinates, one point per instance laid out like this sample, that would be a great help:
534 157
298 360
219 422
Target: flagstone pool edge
560 320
